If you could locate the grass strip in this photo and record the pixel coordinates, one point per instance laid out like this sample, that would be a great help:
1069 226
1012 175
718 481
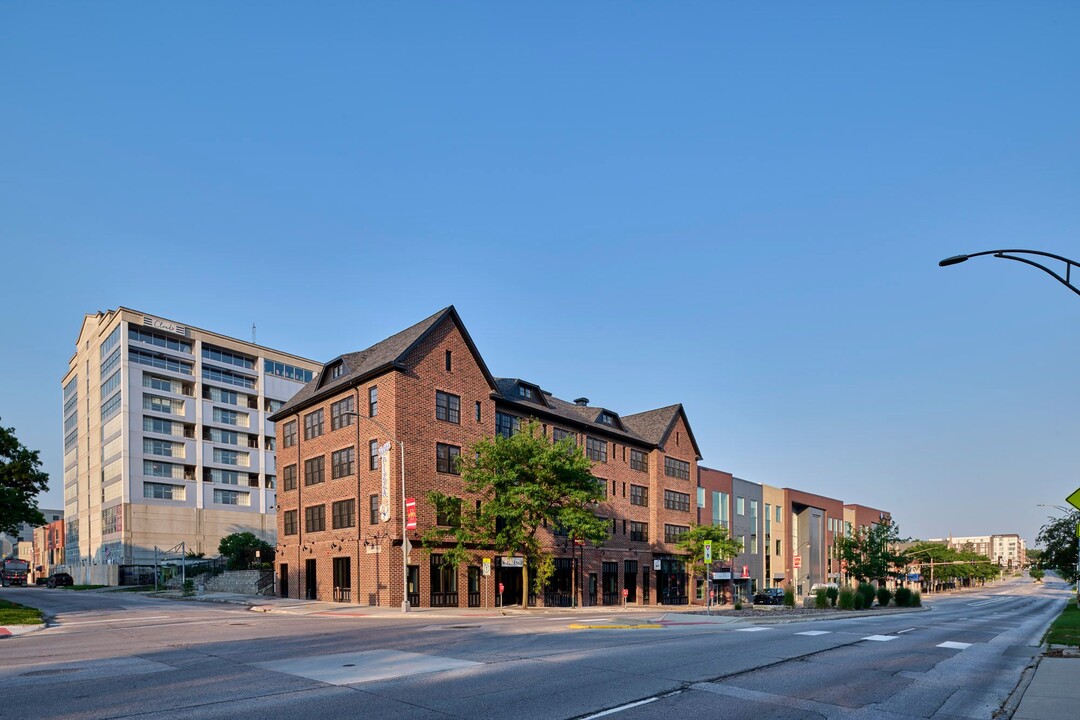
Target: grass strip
1066 629
15 614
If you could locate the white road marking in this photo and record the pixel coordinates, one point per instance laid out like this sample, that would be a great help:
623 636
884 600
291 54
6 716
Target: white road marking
955 645
753 629
905 631
620 708
113 620
814 632
880 638
981 603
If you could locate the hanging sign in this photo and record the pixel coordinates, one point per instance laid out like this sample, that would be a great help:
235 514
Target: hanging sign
410 513
384 496
798 562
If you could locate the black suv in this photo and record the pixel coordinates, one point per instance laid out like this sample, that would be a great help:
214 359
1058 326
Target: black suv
58 579
770 596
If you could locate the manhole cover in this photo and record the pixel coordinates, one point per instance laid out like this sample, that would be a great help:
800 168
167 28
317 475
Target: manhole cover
40 673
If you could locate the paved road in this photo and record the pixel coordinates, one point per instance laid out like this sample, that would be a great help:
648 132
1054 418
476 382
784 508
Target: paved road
113 655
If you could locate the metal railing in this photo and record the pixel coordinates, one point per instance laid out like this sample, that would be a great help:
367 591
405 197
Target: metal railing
474 599
447 599
343 594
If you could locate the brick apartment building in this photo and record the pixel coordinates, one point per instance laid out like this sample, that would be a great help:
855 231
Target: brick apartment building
428 392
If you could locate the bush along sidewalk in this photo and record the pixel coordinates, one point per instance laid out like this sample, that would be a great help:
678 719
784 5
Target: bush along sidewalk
1065 630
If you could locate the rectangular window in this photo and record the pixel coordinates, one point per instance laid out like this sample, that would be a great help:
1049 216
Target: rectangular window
676 501
227 376
289 517
779 548
779 516
313 471
373 401
161 427
477 411
639 495
288 434
227 357
288 477
373 509
221 395
373 456
701 497
225 477
110 363
596 449
287 371
341 413
601 485
639 461
639 531
446 458
313 425
447 407
230 417
449 515
343 514
225 437
232 497
110 342
161 491
341 462
506 424
753 543
155 382
231 457
753 509
111 384
164 448
674 533
159 404
162 362
159 340
163 469
449 361
740 506
745 543
315 518
676 468
111 406
558 434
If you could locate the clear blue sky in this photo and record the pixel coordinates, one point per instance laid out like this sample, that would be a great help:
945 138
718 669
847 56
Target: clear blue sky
736 208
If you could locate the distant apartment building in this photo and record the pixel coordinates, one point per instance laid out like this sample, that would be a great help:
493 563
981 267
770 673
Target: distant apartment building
48 548
428 393
25 533
1008 550
167 439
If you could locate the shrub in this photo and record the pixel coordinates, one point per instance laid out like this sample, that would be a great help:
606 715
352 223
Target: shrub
903 597
833 593
916 599
189 587
883 596
860 601
789 597
867 591
821 599
738 605
847 599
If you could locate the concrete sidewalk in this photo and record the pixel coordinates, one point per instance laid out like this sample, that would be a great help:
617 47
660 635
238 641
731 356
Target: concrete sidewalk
13 630
1054 690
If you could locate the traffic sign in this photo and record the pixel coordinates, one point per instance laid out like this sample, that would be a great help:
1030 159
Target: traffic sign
1074 499
708 551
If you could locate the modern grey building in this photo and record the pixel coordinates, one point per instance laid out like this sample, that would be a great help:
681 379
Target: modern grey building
166 439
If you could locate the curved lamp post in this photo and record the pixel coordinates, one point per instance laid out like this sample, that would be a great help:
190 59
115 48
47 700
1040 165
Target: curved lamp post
1065 280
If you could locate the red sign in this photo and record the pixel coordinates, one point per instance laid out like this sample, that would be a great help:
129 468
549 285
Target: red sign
843 564
625 592
410 513
501 588
746 571
798 561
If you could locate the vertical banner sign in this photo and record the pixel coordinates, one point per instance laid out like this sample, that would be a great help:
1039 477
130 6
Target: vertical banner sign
410 513
384 496
798 562
708 551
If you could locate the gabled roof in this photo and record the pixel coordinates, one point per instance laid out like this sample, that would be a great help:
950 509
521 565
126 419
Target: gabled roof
656 425
508 387
389 354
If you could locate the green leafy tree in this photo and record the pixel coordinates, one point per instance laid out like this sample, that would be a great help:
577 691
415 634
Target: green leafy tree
724 548
1059 546
870 552
524 483
1036 574
239 549
21 480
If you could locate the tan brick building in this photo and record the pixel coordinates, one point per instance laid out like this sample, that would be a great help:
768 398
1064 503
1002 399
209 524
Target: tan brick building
428 392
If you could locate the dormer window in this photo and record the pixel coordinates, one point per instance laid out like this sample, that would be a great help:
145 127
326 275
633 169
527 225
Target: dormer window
525 392
607 419
337 371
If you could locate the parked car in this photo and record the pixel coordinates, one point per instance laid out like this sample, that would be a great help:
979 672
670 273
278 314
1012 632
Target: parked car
770 596
58 579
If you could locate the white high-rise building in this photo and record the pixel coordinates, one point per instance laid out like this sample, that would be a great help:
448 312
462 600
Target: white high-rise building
166 439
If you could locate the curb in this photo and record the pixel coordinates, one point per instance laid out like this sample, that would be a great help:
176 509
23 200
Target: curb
16 630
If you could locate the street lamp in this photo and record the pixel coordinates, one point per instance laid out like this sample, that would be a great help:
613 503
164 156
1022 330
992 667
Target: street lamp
1005 255
404 517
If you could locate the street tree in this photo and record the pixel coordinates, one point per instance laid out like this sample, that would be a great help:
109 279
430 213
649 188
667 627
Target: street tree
870 552
1059 542
239 550
523 483
21 480
724 548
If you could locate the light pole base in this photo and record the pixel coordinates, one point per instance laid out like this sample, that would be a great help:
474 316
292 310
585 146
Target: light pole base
405 606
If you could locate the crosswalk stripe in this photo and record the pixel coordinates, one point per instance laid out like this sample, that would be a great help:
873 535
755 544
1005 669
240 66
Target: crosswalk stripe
753 629
880 638
814 632
955 645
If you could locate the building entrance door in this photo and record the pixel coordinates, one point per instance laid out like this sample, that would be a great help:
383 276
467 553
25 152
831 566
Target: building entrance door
283 582
310 581
512 586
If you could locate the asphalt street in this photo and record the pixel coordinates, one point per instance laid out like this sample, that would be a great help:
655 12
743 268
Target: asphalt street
117 654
